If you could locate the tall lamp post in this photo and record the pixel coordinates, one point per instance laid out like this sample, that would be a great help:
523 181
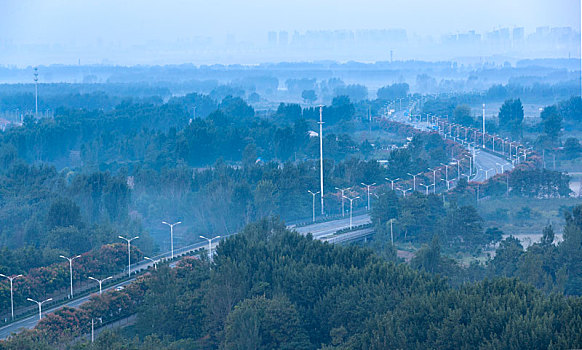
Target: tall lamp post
36 92
128 240
210 245
351 207
483 125
321 155
313 194
343 190
172 235
368 190
100 282
39 303
71 269
446 172
11 278
433 178
457 162
414 180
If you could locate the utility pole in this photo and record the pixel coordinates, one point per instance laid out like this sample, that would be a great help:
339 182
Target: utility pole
71 269
351 207
314 194
36 92
172 235
342 191
128 240
11 278
368 189
321 155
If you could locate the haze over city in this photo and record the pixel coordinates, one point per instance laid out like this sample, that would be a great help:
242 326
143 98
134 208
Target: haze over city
151 32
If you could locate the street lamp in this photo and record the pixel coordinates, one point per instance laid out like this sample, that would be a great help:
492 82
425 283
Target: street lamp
71 269
433 179
458 163
392 181
446 172
100 281
351 207
210 245
154 262
321 155
470 163
449 183
483 126
39 303
487 173
404 191
11 278
343 190
36 92
426 187
128 240
368 190
172 235
414 180
501 166
313 194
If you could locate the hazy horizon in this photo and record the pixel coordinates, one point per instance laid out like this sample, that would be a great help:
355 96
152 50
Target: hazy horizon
147 32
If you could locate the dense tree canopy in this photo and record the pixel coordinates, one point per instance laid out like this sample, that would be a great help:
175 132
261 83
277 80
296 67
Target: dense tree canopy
511 117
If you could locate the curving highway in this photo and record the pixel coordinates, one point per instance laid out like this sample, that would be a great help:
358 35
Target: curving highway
488 165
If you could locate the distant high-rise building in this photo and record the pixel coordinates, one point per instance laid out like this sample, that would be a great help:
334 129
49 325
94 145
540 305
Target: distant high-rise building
542 32
272 39
283 38
518 34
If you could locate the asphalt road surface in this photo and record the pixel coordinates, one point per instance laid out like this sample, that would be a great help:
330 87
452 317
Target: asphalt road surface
324 229
489 165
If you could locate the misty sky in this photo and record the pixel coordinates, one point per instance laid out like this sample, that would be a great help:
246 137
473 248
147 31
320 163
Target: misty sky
136 21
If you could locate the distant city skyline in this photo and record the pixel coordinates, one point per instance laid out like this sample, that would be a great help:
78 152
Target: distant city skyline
228 31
